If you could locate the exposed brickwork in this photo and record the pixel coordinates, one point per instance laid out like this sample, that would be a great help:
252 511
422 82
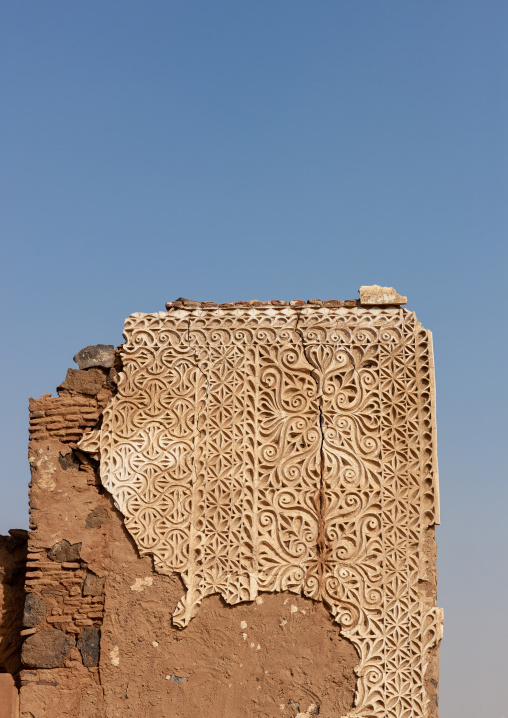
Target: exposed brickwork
65 593
65 417
61 585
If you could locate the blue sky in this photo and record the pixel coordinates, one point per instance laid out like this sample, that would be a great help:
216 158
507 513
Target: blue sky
272 150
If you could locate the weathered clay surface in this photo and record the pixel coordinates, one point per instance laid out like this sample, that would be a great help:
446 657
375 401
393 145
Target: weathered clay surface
83 382
250 660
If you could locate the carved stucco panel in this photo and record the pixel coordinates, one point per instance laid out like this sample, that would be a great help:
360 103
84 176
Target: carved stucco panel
274 449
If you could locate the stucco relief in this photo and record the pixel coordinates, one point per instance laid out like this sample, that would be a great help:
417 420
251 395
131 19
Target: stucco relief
279 449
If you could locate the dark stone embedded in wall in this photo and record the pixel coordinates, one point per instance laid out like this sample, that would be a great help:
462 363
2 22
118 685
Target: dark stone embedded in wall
88 381
47 649
96 518
35 610
68 461
101 355
64 552
177 679
89 646
93 586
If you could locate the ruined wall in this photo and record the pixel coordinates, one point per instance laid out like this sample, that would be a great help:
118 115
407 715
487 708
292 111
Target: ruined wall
13 550
248 529
67 551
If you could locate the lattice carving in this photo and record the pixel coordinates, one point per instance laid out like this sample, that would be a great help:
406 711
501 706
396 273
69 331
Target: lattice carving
262 449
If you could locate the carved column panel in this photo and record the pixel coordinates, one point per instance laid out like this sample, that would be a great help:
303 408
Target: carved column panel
274 449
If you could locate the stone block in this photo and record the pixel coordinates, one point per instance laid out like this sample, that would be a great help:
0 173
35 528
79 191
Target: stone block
375 294
98 355
46 649
64 552
93 585
35 610
89 646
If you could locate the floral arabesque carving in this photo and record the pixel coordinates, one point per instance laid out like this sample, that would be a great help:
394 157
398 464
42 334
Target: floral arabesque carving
262 449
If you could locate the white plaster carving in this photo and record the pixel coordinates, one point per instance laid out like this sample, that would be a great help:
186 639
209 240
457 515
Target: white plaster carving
279 449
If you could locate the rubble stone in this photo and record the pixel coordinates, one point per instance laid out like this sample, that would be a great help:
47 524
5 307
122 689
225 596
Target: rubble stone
64 552
89 646
94 585
35 610
97 355
48 648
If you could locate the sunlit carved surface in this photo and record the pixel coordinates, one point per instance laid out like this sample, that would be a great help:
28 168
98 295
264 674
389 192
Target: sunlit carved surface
274 449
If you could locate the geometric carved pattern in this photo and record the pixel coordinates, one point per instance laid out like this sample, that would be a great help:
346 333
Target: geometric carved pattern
279 449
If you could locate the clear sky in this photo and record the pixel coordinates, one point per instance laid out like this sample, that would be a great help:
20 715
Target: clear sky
272 150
